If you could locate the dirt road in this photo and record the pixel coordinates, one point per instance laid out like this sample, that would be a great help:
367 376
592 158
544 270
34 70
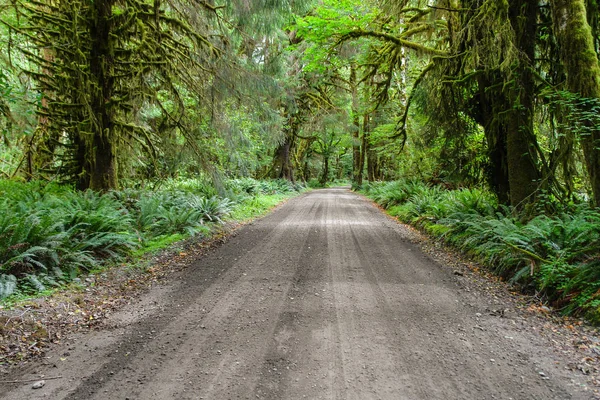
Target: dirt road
326 298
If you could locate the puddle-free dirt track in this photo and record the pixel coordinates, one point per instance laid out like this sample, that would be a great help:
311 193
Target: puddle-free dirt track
326 298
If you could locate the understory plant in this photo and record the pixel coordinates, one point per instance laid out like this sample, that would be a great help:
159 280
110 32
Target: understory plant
556 255
49 234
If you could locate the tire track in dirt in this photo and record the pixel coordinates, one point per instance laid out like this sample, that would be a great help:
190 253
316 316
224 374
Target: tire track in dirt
323 299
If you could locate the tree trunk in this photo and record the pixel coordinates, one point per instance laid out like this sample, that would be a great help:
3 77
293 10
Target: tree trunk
101 159
364 144
45 145
371 165
523 173
325 173
491 103
356 142
370 156
578 54
282 162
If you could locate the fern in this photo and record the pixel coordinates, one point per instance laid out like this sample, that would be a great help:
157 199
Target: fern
212 209
562 251
8 285
34 283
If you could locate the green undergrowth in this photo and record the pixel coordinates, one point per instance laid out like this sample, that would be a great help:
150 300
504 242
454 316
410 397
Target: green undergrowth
50 234
316 184
557 255
257 206
158 243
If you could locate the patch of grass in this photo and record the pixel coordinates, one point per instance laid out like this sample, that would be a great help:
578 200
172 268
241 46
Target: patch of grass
253 207
157 244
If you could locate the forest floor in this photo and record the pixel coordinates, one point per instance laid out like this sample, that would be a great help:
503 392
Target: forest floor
324 298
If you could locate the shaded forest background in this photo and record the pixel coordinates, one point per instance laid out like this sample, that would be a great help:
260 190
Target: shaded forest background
484 113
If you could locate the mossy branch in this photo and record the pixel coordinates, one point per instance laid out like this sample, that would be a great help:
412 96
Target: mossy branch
400 130
359 33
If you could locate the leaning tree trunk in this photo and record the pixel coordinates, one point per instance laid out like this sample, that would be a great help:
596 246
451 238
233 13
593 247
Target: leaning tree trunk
579 57
101 158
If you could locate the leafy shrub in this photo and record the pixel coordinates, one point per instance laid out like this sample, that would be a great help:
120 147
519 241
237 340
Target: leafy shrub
212 209
167 213
246 186
197 186
49 233
559 254
94 222
253 187
28 243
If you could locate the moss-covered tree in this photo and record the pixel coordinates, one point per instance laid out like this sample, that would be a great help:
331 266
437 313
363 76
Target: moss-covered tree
110 59
579 56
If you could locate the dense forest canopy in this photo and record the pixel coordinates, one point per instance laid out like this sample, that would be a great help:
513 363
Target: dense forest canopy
118 93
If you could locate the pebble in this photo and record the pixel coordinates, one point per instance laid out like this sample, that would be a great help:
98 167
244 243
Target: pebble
38 385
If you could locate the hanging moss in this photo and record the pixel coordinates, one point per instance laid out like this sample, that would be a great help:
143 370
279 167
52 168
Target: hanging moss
580 59
100 61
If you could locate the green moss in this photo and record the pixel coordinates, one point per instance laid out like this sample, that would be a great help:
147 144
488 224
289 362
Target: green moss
117 10
158 243
593 315
24 300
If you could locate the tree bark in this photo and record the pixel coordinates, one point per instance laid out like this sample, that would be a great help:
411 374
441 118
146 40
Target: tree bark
325 173
101 160
357 174
578 54
523 173
282 162
490 105
364 143
371 165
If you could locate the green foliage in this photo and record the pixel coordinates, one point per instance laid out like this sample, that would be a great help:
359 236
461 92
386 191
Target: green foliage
198 186
49 234
397 192
330 20
249 186
166 212
251 207
316 184
558 254
28 242
244 186
158 243
212 209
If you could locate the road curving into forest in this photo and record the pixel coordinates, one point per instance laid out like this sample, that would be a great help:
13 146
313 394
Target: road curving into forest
325 298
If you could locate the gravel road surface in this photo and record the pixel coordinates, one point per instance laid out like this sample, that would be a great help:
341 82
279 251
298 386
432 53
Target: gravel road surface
325 298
